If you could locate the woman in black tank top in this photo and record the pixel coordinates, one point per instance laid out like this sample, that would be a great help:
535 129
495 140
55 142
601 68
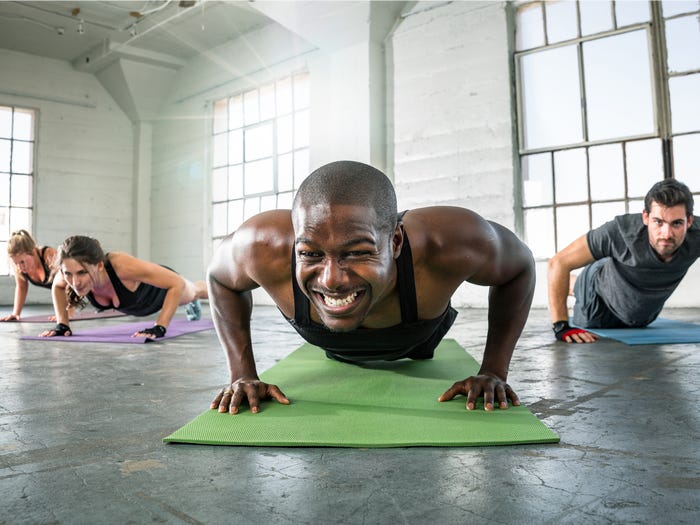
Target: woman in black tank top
32 264
120 281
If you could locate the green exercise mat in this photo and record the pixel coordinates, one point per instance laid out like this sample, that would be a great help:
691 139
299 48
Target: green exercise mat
383 404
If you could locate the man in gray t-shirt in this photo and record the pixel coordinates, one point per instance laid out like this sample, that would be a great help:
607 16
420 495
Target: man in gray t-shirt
632 265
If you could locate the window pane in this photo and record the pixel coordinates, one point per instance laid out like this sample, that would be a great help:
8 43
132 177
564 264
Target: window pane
21 191
235 146
561 20
572 222
285 172
285 134
284 96
676 7
235 182
301 129
258 142
595 17
683 43
607 172
235 112
251 207
537 179
686 160
5 150
22 157
23 124
285 200
636 206
259 177
4 223
618 86
220 116
606 211
4 189
570 176
251 111
267 102
301 167
235 215
644 166
219 184
268 202
551 98
20 219
5 122
220 150
685 109
218 219
628 13
539 231
301 92
530 27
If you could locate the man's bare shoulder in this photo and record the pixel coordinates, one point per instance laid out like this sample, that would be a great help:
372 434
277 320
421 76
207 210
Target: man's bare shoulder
263 246
444 227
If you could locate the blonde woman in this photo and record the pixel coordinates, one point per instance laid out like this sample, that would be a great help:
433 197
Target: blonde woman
32 264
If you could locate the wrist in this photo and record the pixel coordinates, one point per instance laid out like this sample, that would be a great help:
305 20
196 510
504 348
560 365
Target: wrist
557 326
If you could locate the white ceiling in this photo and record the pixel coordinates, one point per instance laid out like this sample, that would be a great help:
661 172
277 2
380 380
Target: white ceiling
68 30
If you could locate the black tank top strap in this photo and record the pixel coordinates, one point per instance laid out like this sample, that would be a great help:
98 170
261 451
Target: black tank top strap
406 283
302 304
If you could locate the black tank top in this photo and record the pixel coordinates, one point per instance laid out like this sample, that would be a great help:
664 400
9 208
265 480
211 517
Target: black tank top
145 300
48 276
411 338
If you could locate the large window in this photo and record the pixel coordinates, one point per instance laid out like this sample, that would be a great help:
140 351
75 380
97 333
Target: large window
607 106
261 151
16 175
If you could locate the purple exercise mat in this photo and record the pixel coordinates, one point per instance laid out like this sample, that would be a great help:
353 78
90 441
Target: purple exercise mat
79 315
121 333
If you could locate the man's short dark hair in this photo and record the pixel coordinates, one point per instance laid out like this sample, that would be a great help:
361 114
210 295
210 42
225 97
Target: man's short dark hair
669 193
353 183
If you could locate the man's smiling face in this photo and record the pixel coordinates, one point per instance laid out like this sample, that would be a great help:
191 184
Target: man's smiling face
344 262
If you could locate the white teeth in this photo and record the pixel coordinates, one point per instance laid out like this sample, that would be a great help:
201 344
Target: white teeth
343 301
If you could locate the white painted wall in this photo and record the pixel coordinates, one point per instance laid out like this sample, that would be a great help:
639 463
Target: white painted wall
453 130
84 163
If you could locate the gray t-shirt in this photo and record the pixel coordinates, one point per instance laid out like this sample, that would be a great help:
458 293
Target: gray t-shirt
633 282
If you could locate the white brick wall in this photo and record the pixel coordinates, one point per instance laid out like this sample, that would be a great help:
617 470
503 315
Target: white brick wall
452 114
84 162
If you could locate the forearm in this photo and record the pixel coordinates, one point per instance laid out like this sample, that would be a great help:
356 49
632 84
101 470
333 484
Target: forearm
231 312
20 299
557 290
170 304
509 306
60 304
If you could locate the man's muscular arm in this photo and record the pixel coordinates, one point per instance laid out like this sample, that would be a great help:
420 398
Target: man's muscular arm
231 305
575 255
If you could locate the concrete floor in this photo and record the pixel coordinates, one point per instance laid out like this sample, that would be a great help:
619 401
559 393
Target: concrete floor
81 427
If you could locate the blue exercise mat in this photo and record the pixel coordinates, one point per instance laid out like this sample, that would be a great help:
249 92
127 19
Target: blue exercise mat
661 331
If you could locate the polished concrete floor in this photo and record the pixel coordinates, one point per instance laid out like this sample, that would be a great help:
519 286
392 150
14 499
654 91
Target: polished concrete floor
81 427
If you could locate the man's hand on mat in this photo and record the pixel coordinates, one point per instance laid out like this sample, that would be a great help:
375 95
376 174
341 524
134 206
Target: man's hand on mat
563 331
59 330
11 317
491 387
254 390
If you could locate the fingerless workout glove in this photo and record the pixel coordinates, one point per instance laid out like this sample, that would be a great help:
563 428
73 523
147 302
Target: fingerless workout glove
61 329
157 330
562 330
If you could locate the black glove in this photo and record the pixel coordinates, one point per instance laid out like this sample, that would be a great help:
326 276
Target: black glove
562 330
61 329
157 330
